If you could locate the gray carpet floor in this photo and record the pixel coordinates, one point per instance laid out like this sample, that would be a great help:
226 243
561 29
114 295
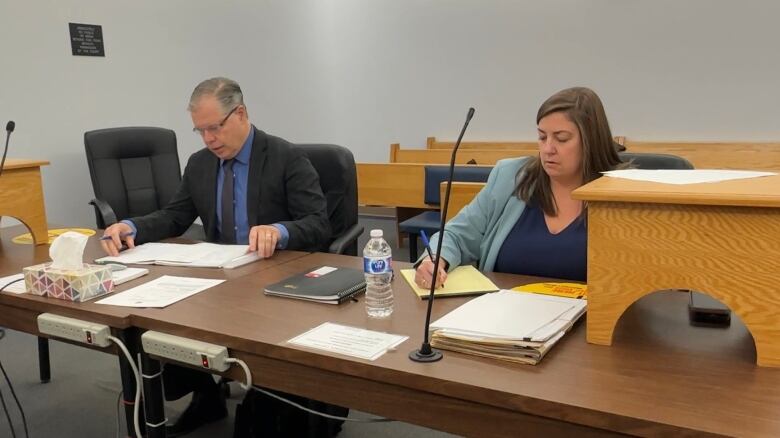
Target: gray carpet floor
81 400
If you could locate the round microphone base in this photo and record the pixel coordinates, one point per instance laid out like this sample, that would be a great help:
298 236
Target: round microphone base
419 356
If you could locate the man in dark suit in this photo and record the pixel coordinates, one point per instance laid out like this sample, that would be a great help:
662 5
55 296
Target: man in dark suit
247 187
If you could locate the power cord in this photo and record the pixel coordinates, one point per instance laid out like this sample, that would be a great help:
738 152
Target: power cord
2 331
137 376
249 387
7 415
321 414
18 405
118 408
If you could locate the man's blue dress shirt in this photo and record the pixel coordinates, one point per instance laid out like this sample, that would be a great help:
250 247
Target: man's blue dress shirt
241 174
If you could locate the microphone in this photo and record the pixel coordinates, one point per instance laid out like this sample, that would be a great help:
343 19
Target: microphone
9 128
425 353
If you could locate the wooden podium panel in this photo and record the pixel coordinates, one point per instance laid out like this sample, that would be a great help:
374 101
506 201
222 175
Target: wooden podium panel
21 196
722 239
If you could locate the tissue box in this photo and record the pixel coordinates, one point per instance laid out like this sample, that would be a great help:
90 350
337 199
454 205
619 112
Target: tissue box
67 284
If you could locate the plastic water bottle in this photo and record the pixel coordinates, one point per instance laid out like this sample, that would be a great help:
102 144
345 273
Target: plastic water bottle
377 265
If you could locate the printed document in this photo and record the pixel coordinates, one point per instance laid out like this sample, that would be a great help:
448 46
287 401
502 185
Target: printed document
160 292
198 255
350 341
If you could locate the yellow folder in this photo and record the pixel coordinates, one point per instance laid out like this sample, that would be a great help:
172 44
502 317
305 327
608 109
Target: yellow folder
568 290
463 280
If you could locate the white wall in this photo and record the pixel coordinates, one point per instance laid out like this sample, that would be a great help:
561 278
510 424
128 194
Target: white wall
365 73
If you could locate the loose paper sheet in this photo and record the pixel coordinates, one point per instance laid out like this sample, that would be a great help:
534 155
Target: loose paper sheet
16 288
350 341
160 292
685 176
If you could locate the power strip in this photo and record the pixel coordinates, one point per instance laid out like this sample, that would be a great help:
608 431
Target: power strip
74 329
189 351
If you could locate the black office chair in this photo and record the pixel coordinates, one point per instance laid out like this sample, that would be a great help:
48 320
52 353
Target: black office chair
338 180
641 160
134 171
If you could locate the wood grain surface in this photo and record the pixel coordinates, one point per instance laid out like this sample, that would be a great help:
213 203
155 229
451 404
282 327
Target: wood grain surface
729 253
716 155
753 192
21 196
661 377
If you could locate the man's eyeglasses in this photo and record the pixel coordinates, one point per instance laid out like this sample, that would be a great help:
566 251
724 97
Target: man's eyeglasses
214 129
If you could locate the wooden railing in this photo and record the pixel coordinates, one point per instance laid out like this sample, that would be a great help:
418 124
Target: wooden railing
401 182
716 155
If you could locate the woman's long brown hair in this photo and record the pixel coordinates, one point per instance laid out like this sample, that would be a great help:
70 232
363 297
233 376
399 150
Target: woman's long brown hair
599 151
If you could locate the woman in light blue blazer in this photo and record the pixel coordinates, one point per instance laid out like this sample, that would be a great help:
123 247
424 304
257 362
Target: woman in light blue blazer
524 221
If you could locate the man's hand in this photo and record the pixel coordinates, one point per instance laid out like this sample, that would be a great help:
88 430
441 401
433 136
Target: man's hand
113 237
263 239
424 274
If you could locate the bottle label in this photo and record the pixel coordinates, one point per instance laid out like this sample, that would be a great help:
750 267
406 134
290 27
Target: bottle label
377 265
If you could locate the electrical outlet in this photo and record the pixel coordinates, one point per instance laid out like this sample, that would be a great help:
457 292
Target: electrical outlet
74 329
189 351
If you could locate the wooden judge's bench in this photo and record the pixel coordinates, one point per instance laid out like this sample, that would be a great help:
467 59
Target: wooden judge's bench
21 196
721 238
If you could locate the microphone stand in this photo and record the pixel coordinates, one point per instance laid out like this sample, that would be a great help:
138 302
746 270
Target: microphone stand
9 128
426 353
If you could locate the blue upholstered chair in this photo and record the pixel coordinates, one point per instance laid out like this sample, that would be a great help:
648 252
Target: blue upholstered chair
429 221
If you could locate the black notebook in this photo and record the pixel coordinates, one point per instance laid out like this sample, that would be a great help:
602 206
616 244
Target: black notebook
325 285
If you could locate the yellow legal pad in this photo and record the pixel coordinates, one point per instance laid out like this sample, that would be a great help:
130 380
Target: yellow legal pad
568 290
463 280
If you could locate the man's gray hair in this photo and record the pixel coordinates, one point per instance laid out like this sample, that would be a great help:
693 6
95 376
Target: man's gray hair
227 92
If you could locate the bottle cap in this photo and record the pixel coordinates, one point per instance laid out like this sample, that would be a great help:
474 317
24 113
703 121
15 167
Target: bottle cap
376 233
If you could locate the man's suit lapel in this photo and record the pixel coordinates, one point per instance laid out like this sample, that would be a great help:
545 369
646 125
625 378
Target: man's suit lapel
256 164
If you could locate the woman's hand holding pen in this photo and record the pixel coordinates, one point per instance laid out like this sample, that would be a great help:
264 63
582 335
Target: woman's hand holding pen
424 274
113 237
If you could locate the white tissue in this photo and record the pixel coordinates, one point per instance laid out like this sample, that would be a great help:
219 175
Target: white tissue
67 251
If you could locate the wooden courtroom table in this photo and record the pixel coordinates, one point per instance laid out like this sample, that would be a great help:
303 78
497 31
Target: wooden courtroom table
20 312
14 257
21 196
722 239
661 377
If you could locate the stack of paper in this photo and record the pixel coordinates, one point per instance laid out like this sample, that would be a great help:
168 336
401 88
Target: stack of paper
198 255
507 325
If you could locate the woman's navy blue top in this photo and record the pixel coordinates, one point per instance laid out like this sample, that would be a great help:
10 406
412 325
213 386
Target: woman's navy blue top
530 248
